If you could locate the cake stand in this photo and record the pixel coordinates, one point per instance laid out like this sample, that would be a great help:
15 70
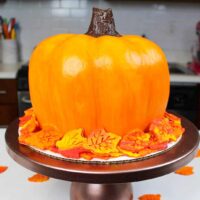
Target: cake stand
105 181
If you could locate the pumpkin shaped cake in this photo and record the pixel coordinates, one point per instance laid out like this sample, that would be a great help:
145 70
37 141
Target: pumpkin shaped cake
99 95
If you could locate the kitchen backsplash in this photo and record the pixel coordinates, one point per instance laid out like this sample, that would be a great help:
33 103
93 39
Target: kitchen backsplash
171 25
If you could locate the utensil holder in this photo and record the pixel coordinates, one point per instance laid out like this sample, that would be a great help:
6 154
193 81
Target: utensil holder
9 51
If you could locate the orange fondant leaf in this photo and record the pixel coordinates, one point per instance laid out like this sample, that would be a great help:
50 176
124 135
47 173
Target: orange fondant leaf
150 197
186 171
102 143
27 115
145 152
90 156
29 111
38 178
198 154
87 156
3 169
71 140
28 121
28 125
161 129
24 119
44 139
135 141
166 129
71 153
129 153
158 146
174 120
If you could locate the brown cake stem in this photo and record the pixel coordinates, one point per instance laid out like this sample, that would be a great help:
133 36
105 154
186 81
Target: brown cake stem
102 23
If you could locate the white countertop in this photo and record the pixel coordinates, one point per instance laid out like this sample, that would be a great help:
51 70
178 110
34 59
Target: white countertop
9 71
14 184
185 78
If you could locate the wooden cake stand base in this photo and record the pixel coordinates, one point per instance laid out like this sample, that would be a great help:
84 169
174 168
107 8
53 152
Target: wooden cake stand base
105 181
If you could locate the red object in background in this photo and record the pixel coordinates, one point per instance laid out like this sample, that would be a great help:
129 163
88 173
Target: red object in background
198 28
198 34
195 65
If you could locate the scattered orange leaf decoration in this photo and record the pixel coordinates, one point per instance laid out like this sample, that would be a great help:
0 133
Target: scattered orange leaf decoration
38 178
137 144
198 154
150 197
186 171
44 139
3 169
101 143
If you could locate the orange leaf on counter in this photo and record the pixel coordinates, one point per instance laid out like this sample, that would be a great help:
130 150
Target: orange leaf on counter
38 178
102 143
3 169
186 171
150 197
198 154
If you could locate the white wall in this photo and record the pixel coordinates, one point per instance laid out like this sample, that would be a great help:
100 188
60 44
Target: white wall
171 25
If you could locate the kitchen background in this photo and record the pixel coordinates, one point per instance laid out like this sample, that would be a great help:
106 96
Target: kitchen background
171 25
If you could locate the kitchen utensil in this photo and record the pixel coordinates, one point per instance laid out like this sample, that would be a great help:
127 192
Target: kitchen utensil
9 51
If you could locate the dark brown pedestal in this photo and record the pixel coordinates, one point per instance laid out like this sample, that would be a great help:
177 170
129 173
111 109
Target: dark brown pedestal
104 178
